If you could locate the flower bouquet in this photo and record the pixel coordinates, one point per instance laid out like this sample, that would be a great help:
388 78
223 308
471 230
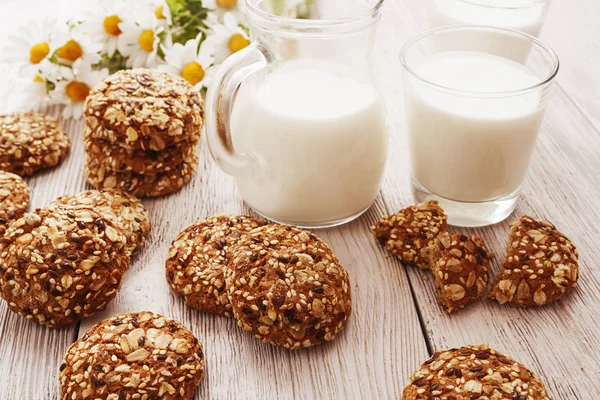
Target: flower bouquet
62 61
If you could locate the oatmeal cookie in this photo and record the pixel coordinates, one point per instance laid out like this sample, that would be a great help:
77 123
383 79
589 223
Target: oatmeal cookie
125 211
144 109
120 159
409 232
460 267
540 267
59 265
287 288
30 142
14 199
133 356
141 185
474 372
197 258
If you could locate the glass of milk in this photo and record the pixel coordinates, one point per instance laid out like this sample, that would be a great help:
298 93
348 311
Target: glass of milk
522 15
296 118
473 118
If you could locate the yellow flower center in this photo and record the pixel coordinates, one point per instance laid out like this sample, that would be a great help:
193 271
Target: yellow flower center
228 4
193 73
38 52
111 25
77 91
237 42
70 51
38 79
147 40
159 13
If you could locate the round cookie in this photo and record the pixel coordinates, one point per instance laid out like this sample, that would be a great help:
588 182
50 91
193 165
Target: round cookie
120 159
133 356
408 233
473 372
144 109
14 199
141 185
30 142
59 265
124 210
540 267
287 288
197 258
460 267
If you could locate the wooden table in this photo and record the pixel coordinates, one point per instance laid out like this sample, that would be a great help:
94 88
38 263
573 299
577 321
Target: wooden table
396 322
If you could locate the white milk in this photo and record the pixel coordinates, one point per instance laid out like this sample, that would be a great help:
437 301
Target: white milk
528 19
471 149
319 140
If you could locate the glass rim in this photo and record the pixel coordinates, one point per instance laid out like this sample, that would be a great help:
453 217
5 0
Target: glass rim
313 23
456 28
513 6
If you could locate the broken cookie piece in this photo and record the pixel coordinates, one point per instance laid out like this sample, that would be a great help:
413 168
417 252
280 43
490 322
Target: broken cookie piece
540 267
460 267
409 232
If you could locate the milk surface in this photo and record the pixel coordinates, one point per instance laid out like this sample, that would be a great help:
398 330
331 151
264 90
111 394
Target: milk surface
318 140
471 147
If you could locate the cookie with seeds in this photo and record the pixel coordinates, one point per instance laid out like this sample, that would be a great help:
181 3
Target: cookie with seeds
287 287
161 184
541 266
30 142
133 356
197 258
14 199
144 109
408 233
460 267
118 158
124 210
59 265
474 372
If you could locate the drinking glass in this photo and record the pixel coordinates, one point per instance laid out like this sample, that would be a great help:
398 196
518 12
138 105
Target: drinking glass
296 118
473 118
522 15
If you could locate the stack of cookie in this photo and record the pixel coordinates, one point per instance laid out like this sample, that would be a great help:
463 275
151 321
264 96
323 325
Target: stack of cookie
141 134
283 285
66 261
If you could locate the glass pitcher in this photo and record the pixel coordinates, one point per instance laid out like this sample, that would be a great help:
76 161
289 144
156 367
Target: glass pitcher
295 117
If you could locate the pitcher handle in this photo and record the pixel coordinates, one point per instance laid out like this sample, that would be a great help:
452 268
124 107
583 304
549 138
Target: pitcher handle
219 104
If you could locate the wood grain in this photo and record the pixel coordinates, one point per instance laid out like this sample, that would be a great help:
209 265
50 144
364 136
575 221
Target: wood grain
396 319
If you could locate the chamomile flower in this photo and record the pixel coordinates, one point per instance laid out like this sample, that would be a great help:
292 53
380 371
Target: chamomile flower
220 7
139 39
192 61
35 94
102 24
75 45
227 38
74 86
161 11
32 46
